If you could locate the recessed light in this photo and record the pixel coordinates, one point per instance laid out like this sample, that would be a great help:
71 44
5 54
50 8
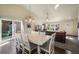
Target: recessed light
47 20
56 6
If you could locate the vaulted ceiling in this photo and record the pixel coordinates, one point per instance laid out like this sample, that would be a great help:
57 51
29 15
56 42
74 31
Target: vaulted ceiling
39 11
63 12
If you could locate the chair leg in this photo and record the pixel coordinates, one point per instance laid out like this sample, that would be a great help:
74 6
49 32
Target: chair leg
38 48
23 51
49 52
29 52
53 52
45 53
17 50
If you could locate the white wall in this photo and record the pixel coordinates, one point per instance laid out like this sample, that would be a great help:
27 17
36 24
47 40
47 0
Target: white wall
12 11
16 11
0 31
69 26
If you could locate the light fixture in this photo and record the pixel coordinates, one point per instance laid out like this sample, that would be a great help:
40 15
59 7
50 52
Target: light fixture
26 20
56 6
30 19
47 19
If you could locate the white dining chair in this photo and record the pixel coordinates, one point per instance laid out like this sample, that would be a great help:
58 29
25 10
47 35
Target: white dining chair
27 44
42 33
19 43
34 32
48 47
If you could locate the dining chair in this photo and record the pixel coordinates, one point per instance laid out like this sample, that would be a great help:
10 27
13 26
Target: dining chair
42 33
19 43
27 44
34 32
48 47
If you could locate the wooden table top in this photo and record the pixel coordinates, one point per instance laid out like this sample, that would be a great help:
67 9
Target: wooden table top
38 39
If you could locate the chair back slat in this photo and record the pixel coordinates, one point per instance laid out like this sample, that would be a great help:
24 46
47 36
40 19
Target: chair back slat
25 40
51 44
18 38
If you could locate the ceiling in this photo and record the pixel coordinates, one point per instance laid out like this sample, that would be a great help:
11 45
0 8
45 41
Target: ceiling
39 12
62 13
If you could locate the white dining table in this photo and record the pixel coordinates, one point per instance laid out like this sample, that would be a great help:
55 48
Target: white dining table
38 39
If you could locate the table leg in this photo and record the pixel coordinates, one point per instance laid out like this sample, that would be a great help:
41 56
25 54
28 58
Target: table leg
38 48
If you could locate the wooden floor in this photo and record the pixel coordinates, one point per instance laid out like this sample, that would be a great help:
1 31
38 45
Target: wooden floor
57 51
71 46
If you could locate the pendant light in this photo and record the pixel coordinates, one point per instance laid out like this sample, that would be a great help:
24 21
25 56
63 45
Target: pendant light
30 19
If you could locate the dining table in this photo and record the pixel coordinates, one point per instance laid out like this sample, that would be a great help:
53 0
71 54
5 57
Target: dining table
38 39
